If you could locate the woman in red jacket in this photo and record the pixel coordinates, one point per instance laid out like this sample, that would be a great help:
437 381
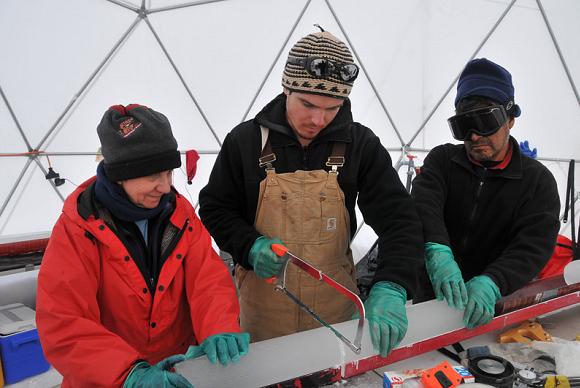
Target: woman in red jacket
129 279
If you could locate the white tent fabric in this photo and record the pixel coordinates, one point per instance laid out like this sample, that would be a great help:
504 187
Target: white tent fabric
210 64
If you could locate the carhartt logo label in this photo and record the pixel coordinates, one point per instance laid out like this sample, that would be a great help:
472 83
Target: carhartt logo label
331 224
128 126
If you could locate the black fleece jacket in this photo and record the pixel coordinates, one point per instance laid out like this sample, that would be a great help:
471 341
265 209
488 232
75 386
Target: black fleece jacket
499 223
228 202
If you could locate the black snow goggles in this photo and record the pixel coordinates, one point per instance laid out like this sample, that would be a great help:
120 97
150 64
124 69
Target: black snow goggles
482 121
324 68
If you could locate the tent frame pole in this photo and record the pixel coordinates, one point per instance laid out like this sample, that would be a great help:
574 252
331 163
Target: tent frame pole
557 46
89 80
14 186
363 68
189 92
483 42
15 119
245 116
185 5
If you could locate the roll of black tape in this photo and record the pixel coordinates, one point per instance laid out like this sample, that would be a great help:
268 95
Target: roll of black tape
492 370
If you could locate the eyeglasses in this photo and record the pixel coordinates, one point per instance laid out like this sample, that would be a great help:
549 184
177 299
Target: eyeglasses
482 121
324 68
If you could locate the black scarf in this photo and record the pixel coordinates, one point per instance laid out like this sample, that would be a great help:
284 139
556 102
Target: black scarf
114 198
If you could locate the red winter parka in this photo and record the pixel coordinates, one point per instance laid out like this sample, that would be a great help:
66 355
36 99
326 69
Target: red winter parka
95 314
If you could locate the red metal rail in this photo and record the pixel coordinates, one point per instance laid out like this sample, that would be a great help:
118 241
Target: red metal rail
23 247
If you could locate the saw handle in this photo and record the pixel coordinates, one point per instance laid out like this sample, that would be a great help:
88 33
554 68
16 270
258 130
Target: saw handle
279 249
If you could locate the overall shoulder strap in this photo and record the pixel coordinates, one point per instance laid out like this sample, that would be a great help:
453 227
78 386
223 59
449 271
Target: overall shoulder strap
267 157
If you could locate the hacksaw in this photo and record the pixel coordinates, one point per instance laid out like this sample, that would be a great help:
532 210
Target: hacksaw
283 251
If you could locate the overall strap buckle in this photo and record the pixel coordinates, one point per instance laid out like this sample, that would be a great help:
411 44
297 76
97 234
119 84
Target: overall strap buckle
267 160
336 158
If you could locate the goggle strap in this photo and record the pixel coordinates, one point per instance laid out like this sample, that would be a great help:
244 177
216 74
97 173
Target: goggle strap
297 61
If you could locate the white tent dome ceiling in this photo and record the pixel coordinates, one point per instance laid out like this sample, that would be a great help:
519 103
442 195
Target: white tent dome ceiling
210 64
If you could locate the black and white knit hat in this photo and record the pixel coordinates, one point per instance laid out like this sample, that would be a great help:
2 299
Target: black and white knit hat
320 45
136 141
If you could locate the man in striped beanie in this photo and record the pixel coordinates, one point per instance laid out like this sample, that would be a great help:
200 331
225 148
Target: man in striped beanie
292 176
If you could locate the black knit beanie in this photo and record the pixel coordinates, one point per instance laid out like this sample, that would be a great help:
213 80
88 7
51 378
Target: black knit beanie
136 141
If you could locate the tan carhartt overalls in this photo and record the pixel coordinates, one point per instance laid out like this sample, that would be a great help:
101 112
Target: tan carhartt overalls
306 210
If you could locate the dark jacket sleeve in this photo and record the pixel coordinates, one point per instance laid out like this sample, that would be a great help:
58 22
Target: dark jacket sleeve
222 204
535 229
430 193
388 209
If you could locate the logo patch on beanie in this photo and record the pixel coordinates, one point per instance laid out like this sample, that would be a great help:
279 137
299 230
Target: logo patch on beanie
128 126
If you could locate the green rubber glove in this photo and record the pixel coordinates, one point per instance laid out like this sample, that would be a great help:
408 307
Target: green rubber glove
144 375
265 262
483 294
387 316
445 275
227 347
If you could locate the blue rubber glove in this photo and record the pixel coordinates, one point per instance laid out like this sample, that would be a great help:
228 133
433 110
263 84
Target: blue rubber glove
227 347
445 275
387 316
265 262
525 150
483 293
144 375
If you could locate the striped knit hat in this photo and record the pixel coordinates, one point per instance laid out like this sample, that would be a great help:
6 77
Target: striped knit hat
318 45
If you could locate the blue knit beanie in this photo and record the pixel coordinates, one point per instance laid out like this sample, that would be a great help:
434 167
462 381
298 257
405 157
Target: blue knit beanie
481 77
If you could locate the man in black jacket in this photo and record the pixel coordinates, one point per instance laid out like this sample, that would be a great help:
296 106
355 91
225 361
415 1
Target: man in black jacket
489 213
292 175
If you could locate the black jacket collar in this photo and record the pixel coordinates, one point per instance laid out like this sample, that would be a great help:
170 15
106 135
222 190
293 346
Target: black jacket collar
514 169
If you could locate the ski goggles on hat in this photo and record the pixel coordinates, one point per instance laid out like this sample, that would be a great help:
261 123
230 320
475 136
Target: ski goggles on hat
324 68
482 121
